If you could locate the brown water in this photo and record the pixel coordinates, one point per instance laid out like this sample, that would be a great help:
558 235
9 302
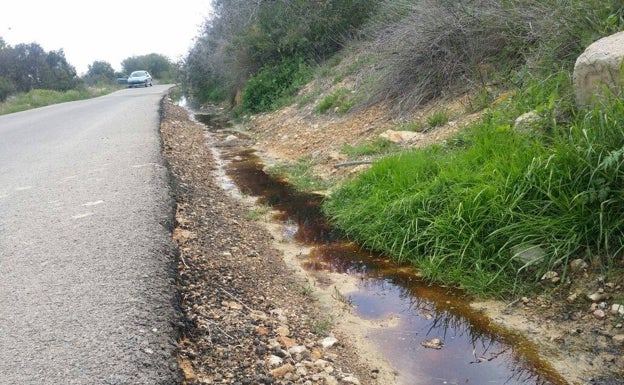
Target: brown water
474 350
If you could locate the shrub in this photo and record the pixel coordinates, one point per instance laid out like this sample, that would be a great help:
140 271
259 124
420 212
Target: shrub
438 118
6 88
338 100
431 47
264 90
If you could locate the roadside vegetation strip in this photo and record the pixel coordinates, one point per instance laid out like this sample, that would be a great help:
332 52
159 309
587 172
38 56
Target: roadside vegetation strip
468 211
40 98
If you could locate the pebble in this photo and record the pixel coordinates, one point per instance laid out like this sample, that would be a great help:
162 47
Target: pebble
618 339
550 275
350 380
578 265
286 342
282 370
273 361
321 363
328 342
599 314
572 297
297 349
617 309
597 296
434 343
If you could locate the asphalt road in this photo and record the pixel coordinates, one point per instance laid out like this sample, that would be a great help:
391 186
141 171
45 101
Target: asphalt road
86 262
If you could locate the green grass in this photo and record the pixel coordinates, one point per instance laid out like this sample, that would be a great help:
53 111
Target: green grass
321 326
414 125
338 101
461 210
299 174
258 213
41 98
438 118
375 147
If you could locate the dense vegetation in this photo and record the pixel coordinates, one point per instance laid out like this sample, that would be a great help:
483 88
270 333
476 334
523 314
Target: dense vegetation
489 210
263 49
28 66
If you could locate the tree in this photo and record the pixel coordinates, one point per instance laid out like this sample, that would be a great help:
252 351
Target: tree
100 71
59 74
158 65
243 37
6 88
29 66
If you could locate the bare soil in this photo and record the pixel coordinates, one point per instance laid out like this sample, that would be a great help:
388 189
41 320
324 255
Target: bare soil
246 299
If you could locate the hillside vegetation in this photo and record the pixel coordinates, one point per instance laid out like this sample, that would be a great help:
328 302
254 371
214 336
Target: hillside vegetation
489 210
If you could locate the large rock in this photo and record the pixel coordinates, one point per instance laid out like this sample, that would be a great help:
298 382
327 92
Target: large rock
598 70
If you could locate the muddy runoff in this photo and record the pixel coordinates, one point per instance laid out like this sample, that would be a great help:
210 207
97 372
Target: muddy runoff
429 334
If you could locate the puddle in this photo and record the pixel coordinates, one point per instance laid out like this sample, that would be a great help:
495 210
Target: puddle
472 350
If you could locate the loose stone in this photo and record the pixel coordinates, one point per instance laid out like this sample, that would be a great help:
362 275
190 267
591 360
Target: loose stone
618 339
273 361
328 342
282 371
617 309
351 380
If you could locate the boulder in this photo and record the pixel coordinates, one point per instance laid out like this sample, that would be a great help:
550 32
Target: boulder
597 70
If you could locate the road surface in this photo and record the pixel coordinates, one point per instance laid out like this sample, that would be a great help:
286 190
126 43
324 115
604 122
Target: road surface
86 262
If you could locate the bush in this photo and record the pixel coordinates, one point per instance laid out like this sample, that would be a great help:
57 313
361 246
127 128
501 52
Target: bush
431 47
6 88
264 90
338 100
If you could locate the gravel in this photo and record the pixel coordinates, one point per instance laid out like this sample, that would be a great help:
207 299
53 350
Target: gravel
248 319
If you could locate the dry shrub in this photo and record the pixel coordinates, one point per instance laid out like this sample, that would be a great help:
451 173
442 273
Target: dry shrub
442 45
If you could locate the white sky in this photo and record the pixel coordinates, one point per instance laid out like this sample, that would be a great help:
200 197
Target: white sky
109 30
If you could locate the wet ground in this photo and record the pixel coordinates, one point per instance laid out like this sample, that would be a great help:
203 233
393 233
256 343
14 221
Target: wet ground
434 337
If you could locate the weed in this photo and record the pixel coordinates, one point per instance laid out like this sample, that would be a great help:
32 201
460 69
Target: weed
338 100
438 118
299 174
321 326
306 290
338 296
414 125
258 213
375 147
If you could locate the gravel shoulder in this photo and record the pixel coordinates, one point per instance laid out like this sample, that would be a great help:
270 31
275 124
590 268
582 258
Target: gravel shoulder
249 317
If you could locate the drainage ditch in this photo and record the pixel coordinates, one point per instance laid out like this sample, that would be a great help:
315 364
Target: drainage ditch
435 337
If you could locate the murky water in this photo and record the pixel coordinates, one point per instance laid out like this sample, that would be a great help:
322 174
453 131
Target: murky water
471 349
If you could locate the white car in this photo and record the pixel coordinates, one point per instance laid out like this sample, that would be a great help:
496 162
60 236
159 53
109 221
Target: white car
139 78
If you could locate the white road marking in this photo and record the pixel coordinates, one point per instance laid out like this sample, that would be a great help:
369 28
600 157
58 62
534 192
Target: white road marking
92 203
79 216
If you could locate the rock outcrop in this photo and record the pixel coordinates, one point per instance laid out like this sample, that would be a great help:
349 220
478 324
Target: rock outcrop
597 72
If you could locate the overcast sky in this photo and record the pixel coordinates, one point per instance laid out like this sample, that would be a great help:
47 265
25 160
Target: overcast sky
108 30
